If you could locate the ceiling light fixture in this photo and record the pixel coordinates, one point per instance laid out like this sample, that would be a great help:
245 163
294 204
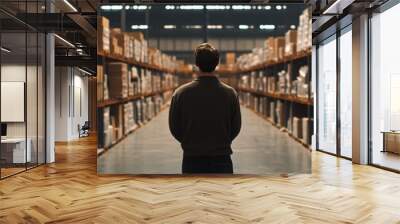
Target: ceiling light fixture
5 49
278 7
267 7
216 7
64 40
292 27
193 27
241 7
139 27
169 27
113 7
192 7
214 27
243 27
267 27
70 5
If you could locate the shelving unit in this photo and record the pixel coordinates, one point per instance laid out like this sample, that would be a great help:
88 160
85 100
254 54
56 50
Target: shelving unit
279 96
133 62
138 103
292 108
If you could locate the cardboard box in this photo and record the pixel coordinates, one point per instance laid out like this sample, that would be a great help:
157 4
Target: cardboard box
279 45
307 130
100 80
118 80
117 42
290 43
297 127
103 35
230 58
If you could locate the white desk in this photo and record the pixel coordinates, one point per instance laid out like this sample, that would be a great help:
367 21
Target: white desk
17 145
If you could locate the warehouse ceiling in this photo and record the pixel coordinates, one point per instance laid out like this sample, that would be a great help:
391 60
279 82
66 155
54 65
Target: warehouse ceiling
195 21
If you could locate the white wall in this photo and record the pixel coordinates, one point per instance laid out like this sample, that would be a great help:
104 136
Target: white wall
71 87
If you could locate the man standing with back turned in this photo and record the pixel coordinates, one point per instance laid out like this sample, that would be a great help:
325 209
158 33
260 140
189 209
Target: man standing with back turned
205 118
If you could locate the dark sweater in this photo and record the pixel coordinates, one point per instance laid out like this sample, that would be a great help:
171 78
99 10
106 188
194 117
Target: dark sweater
205 117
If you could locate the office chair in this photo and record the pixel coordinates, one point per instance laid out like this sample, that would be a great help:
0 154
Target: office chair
84 130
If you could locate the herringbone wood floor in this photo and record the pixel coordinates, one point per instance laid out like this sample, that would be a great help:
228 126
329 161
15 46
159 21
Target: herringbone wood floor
70 191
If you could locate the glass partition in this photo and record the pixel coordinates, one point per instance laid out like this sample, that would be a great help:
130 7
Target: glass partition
327 95
385 89
15 152
346 93
22 77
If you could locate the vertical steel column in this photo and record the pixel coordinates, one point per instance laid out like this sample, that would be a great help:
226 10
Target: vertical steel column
317 97
50 91
338 77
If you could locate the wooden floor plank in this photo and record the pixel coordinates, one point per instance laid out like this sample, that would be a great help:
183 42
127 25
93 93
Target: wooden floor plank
70 191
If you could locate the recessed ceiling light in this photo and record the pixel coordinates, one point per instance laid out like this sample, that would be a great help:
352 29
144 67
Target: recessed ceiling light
214 27
278 7
193 27
216 7
267 27
241 7
292 27
169 27
192 7
139 27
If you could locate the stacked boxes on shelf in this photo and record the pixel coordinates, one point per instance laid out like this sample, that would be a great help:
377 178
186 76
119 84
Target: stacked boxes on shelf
307 125
103 32
113 126
282 83
133 82
280 111
131 45
304 31
276 49
100 83
301 84
277 112
301 128
290 43
108 129
129 120
118 80
117 42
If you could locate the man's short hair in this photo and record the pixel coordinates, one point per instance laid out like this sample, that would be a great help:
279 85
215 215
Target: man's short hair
207 57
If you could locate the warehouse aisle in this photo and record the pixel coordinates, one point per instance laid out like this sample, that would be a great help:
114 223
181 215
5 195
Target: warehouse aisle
259 149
